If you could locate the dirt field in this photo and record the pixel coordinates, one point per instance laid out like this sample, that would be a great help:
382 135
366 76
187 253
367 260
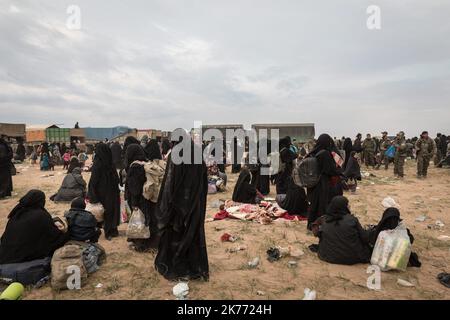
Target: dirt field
130 275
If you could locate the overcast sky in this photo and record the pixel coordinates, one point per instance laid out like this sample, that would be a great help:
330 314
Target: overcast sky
165 64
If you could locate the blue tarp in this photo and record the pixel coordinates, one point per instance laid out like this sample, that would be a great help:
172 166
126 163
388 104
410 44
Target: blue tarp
100 134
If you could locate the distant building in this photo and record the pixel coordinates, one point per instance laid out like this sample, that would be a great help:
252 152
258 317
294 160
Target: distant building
302 132
13 130
222 128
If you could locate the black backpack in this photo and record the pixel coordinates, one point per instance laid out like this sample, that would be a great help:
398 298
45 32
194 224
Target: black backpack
27 273
306 173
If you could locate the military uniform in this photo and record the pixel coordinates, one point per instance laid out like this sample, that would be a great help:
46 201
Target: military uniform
400 156
369 147
425 150
438 157
384 145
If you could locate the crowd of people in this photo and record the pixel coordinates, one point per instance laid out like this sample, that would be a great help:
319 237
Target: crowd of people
175 215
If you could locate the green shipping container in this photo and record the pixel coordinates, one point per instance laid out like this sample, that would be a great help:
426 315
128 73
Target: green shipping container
58 135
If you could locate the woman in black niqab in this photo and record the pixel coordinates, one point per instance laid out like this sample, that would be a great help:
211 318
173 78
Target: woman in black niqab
264 179
245 190
152 150
329 184
30 233
104 189
286 159
348 148
182 250
135 181
6 183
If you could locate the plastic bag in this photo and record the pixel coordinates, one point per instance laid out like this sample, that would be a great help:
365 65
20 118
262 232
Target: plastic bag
125 210
97 210
392 249
136 227
390 152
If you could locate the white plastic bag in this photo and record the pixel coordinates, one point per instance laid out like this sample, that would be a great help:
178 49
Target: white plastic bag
97 210
392 249
136 227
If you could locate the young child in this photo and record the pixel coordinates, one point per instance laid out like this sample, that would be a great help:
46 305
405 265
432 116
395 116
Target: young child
66 159
82 223
353 172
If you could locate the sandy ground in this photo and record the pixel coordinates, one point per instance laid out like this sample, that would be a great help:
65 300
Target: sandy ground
131 275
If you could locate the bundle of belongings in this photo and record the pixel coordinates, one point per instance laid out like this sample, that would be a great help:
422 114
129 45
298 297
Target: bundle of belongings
75 256
154 173
264 213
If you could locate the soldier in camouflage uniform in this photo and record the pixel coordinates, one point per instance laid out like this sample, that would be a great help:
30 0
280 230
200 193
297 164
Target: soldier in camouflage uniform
439 155
385 143
400 154
425 151
369 146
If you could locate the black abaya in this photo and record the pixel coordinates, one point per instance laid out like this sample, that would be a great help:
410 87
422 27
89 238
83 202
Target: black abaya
245 188
286 159
295 202
182 249
117 155
6 155
329 184
236 166
104 188
30 233
348 148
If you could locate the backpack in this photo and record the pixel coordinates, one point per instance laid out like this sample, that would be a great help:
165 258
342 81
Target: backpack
27 273
306 173
154 173
63 258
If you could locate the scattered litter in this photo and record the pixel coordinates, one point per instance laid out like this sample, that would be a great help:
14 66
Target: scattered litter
439 224
292 264
209 220
237 249
388 202
254 263
215 204
310 295
181 291
219 228
260 293
269 199
226 237
443 237
273 254
99 286
372 183
421 218
404 283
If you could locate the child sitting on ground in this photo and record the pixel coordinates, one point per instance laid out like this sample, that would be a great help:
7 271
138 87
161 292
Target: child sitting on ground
82 223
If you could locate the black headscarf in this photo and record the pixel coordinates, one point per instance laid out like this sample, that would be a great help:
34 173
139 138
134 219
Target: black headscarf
128 141
103 155
245 188
337 209
134 153
34 199
152 150
324 142
285 142
165 146
389 221
74 163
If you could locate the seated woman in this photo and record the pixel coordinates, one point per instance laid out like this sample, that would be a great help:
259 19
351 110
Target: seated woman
389 221
74 163
245 190
73 186
352 172
294 201
30 233
82 223
342 238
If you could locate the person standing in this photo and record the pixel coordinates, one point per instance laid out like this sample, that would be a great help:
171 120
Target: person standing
385 143
369 147
182 251
400 154
425 150
357 146
6 155
104 188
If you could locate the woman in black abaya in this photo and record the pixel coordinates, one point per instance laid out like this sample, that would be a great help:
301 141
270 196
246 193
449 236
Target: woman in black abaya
133 192
286 161
182 250
348 148
152 150
30 233
6 183
104 189
236 166
329 184
294 201
245 189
